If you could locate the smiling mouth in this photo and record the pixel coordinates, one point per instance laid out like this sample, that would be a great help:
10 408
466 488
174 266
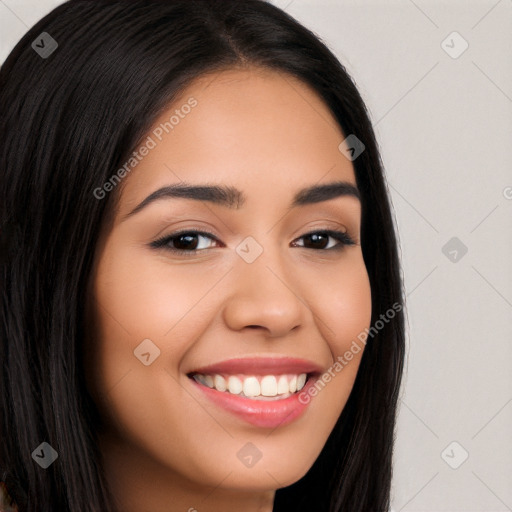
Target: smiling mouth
270 387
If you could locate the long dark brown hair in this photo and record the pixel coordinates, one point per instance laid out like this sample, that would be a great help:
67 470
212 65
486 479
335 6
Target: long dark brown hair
67 122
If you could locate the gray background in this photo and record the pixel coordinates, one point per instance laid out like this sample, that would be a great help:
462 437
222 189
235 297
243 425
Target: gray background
445 129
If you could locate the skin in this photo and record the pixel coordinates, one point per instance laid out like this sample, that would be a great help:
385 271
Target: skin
165 446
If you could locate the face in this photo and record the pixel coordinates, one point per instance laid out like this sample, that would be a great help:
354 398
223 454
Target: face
247 288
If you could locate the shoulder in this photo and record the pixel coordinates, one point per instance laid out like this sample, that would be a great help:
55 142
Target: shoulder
6 503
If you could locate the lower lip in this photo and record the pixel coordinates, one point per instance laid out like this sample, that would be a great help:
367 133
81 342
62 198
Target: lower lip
261 413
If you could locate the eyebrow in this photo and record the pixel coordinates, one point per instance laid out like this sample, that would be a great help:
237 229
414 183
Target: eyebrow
233 198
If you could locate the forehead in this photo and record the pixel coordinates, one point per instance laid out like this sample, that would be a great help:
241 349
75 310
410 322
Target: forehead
263 131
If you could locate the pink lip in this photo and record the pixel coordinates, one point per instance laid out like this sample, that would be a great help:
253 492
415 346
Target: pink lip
264 414
261 413
261 366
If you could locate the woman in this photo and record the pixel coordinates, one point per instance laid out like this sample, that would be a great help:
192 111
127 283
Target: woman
201 292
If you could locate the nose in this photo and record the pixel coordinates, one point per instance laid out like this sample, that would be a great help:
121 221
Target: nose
264 297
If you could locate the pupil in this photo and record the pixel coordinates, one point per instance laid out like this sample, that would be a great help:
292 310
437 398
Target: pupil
188 237
317 239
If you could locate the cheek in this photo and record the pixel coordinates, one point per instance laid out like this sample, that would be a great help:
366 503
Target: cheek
136 302
145 296
343 304
342 309
141 296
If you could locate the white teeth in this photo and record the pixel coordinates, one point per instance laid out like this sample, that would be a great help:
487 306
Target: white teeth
219 382
235 385
301 380
293 384
251 387
268 387
282 385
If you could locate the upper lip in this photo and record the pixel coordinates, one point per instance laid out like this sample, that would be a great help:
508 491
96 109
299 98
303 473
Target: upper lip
261 366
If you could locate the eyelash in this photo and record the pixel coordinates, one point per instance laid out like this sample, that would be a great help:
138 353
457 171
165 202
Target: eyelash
162 243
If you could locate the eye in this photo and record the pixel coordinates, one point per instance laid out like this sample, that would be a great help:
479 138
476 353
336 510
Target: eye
320 240
184 242
189 242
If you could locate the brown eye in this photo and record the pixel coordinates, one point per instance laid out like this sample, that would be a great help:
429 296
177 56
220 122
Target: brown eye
184 242
316 241
187 241
320 240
